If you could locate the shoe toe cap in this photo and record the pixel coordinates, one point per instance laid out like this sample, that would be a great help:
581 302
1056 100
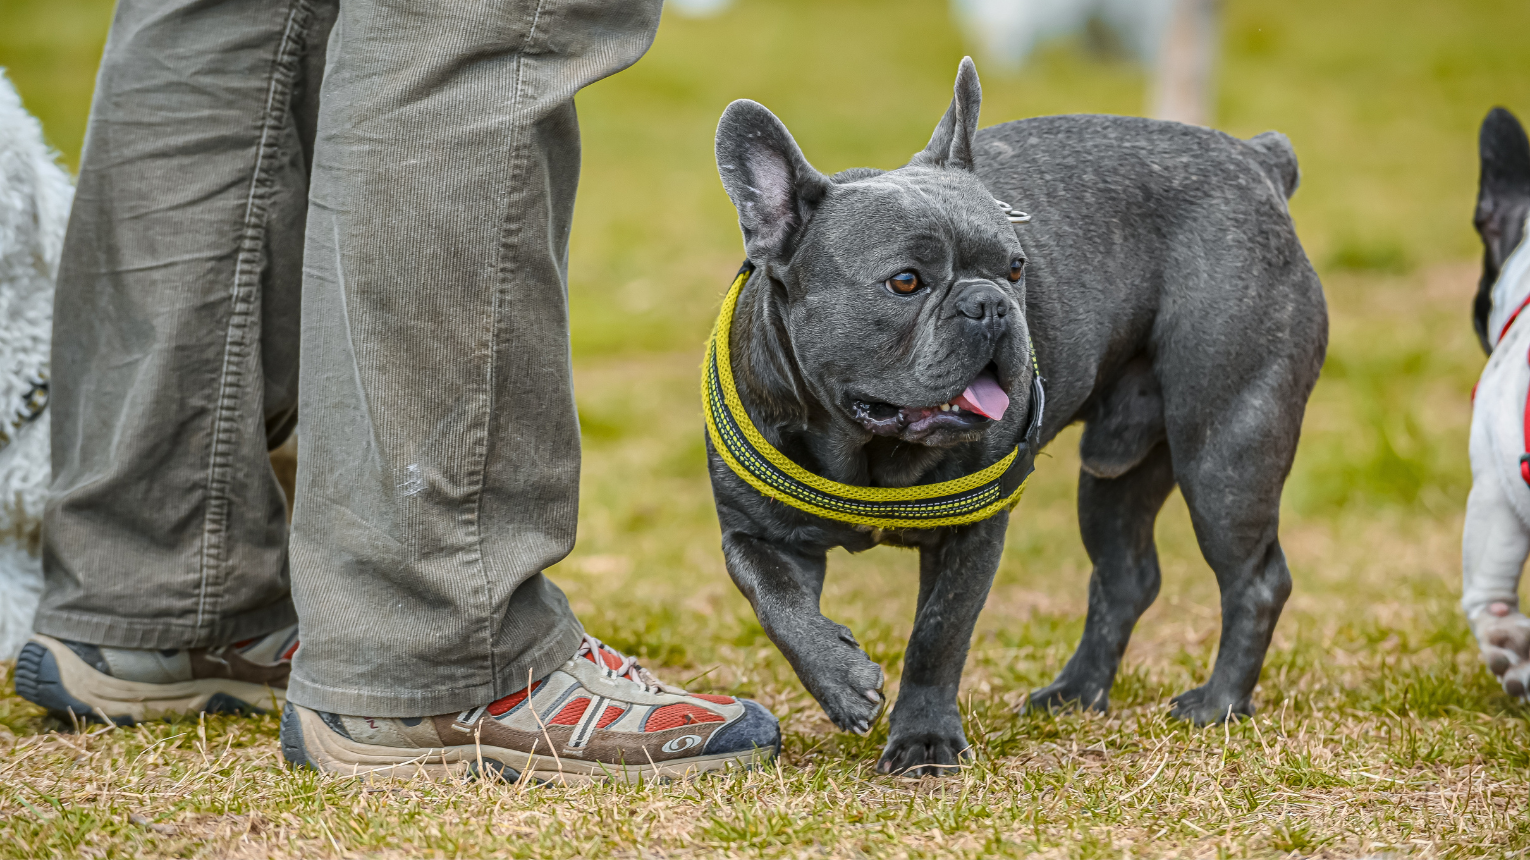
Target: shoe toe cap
757 729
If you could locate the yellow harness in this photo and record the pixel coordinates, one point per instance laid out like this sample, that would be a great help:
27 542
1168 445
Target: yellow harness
950 503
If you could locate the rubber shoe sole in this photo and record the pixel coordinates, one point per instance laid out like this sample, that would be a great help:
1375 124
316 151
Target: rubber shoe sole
308 742
52 676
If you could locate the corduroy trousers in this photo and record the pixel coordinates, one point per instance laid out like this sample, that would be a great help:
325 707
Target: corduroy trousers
356 212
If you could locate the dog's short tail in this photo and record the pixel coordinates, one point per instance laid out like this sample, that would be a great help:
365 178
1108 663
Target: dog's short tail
1275 155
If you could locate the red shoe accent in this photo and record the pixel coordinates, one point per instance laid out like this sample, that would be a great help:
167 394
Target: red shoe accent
674 716
716 700
287 655
571 713
500 707
609 717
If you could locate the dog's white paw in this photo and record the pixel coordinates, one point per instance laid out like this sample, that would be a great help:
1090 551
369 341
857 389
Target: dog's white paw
1503 635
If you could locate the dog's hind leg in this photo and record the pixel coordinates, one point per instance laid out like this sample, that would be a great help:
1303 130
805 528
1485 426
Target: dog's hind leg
925 735
1116 517
1232 484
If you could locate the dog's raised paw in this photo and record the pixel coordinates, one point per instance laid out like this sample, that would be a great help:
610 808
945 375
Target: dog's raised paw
1503 635
1516 681
1498 660
848 685
924 754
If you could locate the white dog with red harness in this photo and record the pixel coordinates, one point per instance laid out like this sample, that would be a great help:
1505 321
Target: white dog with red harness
1496 537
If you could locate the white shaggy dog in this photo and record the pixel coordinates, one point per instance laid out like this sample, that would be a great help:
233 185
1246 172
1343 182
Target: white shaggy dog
35 194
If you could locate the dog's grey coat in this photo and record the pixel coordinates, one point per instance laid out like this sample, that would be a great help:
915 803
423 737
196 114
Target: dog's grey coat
1171 308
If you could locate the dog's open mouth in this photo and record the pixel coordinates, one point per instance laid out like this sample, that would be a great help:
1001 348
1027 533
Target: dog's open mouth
983 401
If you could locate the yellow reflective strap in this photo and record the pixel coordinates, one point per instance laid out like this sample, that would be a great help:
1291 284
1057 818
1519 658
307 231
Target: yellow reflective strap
718 352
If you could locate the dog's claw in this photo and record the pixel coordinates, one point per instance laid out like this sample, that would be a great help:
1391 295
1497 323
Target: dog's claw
925 754
1067 695
1199 707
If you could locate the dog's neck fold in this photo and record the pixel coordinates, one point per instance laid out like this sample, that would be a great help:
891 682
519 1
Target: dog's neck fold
764 367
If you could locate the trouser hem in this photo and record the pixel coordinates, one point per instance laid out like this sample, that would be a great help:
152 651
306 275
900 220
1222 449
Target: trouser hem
159 633
400 701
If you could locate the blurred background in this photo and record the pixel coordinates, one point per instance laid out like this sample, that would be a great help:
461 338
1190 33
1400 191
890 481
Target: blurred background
1381 98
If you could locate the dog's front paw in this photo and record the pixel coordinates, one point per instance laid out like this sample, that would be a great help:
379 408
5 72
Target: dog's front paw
1201 707
924 754
1503 634
847 684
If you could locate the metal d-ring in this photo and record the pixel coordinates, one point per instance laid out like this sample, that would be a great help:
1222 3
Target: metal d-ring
1014 215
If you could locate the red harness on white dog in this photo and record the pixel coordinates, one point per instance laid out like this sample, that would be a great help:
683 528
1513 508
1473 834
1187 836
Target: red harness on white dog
1524 459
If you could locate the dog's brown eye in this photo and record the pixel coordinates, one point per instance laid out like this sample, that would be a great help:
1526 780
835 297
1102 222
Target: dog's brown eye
1016 269
903 283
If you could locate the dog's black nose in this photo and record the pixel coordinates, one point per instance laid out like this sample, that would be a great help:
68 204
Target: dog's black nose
982 302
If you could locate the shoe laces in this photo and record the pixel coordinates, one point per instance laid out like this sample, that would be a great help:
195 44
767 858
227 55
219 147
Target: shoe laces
627 667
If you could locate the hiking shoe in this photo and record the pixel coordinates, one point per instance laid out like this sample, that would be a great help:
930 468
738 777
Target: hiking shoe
78 682
599 717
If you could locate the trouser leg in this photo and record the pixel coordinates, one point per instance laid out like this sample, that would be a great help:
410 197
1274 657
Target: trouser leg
174 349
439 449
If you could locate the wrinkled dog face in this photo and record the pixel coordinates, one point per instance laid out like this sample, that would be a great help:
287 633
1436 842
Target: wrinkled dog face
901 292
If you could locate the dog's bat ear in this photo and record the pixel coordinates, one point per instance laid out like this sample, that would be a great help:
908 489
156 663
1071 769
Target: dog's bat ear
1503 201
951 144
1505 179
770 182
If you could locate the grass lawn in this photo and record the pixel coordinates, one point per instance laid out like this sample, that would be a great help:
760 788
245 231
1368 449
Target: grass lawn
1378 731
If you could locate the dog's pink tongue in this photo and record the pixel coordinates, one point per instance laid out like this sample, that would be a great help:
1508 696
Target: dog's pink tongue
985 397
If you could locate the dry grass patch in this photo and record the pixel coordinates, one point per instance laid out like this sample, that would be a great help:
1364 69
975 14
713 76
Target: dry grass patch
1340 767
1378 732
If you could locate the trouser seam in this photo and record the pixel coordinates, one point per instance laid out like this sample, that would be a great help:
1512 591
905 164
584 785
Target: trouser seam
509 225
154 633
245 286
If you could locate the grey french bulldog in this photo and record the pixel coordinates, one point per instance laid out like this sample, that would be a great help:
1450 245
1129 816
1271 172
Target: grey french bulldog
1170 308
